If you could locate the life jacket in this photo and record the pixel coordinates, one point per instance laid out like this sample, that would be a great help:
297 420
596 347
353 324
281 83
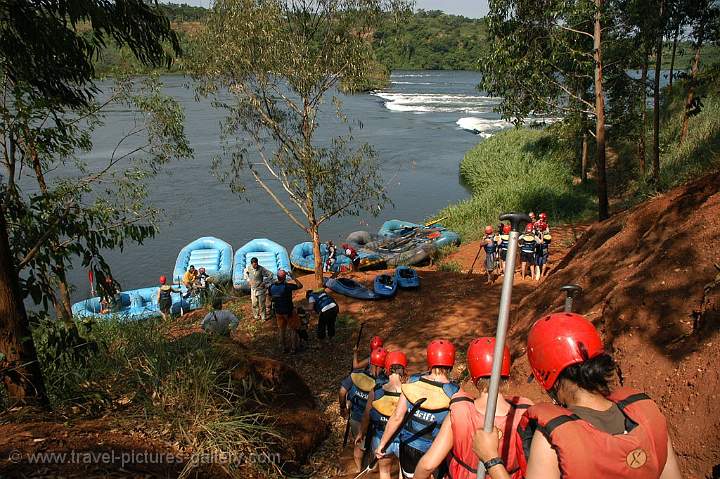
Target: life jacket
362 384
584 451
504 242
528 243
422 428
545 245
165 294
321 300
489 247
382 408
466 420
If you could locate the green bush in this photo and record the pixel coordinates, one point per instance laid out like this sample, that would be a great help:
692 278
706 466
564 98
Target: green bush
520 169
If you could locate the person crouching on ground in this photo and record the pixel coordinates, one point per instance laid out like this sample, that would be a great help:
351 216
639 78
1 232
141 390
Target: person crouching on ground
327 310
164 297
189 278
258 277
219 321
381 404
468 414
288 322
418 433
590 430
354 390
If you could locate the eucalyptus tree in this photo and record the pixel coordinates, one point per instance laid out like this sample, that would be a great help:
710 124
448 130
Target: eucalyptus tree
547 58
47 51
281 61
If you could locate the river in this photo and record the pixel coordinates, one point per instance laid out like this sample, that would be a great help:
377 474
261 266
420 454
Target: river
414 125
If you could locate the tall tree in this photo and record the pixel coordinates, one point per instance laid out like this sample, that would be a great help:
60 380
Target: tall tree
660 36
43 52
547 58
281 60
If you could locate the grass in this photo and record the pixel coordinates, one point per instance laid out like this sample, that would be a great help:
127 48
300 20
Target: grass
517 170
450 267
180 387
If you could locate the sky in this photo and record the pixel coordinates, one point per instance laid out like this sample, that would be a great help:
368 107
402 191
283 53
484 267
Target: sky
468 8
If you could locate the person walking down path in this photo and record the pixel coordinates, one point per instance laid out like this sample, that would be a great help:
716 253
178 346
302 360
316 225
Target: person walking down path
164 297
590 430
354 391
503 246
381 404
288 322
219 321
327 310
490 247
375 342
418 434
542 254
259 279
454 440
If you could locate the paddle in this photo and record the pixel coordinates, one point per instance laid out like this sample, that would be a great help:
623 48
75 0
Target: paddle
347 424
518 222
392 437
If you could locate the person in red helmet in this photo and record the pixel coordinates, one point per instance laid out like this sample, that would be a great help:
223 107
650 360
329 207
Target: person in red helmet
503 246
467 414
528 243
351 253
542 252
590 430
418 433
375 342
356 396
164 297
381 404
490 246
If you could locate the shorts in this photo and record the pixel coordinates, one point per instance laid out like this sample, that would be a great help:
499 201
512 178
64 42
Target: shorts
503 254
541 260
489 262
165 306
527 257
409 459
291 320
392 450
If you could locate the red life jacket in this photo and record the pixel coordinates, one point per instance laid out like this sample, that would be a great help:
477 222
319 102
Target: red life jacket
466 419
584 451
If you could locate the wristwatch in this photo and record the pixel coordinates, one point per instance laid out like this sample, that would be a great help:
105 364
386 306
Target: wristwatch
492 462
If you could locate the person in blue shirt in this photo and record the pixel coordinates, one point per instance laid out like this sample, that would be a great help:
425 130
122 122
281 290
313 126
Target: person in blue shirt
281 294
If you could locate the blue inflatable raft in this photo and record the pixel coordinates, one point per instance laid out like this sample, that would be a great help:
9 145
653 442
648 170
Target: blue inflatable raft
435 234
407 278
135 304
208 252
302 258
385 285
269 254
393 251
350 287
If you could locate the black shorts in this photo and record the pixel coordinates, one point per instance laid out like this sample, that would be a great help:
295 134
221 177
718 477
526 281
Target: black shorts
503 254
409 459
527 257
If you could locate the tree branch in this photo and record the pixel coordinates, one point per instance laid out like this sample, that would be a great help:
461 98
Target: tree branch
277 201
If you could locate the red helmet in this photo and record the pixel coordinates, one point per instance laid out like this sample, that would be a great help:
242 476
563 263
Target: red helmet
529 228
542 226
163 279
377 357
281 275
395 358
560 340
488 230
376 342
480 358
543 216
440 352
506 229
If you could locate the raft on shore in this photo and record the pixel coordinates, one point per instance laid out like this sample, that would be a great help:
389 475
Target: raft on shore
135 304
213 254
270 255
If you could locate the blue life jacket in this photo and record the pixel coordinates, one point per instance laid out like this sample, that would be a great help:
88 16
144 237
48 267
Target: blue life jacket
528 244
321 300
377 419
545 245
420 431
358 398
504 242
489 247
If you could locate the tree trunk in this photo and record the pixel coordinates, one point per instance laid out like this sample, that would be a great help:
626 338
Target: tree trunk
674 49
643 115
318 254
656 99
603 207
24 381
584 157
691 86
